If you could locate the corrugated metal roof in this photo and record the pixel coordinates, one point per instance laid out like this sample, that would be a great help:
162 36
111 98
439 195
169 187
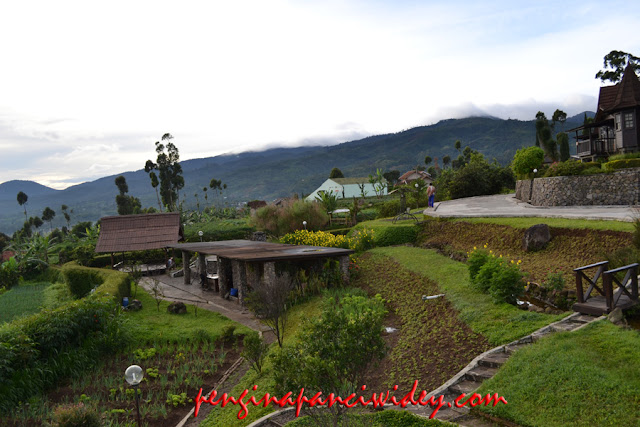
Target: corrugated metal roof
138 232
347 181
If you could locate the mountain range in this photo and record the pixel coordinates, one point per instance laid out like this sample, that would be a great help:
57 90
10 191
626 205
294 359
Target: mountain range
280 172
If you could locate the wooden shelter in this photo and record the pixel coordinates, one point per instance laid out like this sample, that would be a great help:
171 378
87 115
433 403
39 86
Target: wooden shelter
242 263
125 233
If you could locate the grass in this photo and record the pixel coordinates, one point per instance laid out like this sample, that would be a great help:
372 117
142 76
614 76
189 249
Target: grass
22 300
387 418
499 323
556 222
149 324
586 377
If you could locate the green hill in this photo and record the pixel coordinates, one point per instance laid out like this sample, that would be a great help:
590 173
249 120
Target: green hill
280 172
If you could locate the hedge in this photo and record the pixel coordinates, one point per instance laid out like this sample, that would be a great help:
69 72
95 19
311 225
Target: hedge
82 279
36 352
387 233
621 164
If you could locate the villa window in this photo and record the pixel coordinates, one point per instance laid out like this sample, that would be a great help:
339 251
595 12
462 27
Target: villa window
628 120
618 124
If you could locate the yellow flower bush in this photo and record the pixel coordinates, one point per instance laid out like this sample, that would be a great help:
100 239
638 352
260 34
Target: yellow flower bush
362 241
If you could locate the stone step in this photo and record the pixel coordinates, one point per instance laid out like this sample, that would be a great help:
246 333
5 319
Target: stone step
466 386
494 360
566 327
583 318
481 373
511 348
471 420
450 414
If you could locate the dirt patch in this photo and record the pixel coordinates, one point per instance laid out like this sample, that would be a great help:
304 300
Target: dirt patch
175 369
568 249
431 344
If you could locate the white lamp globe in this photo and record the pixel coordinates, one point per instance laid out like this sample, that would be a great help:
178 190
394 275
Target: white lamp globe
133 374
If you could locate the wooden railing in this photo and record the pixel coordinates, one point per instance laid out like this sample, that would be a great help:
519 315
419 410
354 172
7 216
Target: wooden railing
627 286
630 280
580 275
597 146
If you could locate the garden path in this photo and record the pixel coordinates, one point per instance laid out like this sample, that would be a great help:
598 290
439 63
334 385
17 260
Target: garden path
506 205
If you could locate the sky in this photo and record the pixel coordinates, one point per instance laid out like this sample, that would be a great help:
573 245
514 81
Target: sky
87 88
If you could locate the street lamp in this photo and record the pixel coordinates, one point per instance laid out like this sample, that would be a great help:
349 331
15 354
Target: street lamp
200 233
417 196
134 375
304 223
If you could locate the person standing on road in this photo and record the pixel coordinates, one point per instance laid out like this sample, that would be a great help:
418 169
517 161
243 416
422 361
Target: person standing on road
431 193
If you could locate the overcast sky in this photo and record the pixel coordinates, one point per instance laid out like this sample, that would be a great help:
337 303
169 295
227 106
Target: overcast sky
87 87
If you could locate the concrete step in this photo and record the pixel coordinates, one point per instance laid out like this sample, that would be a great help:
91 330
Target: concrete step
466 386
583 318
494 360
471 420
481 373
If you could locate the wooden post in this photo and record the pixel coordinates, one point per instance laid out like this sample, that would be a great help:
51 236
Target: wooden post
634 283
202 266
185 268
579 291
112 263
608 291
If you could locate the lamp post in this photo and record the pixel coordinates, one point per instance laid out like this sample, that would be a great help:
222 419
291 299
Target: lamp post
134 375
417 196
304 223
200 233
531 186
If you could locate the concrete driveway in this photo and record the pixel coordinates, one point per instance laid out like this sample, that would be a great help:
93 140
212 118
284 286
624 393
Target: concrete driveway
506 205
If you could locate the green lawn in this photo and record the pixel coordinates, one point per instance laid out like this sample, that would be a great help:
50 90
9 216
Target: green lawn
556 222
22 300
149 324
500 323
589 377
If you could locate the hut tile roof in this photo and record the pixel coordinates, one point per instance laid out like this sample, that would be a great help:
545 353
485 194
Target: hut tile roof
138 232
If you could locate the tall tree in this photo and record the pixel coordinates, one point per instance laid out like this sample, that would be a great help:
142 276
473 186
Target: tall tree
457 145
563 144
446 160
391 177
169 170
427 160
67 217
22 201
543 136
47 215
217 186
614 64
127 205
154 184
336 173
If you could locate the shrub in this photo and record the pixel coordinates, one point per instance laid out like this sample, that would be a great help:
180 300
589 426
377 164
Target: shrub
387 234
9 273
81 281
502 279
367 214
280 220
506 283
635 155
317 238
78 415
569 168
554 281
389 208
363 240
112 283
477 258
255 351
85 254
621 164
526 160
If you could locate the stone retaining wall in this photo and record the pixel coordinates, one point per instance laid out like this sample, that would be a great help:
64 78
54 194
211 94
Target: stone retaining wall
618 188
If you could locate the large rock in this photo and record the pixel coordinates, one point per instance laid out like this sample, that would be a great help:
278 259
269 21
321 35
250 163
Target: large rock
177 308
536 238
135 305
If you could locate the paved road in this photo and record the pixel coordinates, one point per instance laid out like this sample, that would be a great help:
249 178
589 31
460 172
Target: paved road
506 205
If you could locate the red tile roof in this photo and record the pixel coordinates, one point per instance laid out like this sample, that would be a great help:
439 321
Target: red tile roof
138 232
